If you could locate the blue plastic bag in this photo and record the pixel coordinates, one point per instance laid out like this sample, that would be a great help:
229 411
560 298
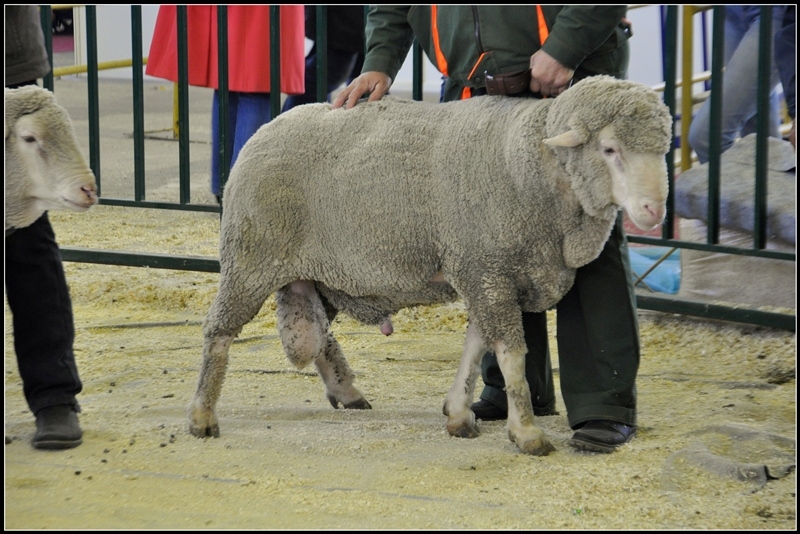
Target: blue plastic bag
666 277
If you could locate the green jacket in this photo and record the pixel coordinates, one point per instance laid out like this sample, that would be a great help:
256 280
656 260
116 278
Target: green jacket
588 39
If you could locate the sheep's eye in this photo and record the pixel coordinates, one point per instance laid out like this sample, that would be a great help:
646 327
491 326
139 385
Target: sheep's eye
29 138
608 151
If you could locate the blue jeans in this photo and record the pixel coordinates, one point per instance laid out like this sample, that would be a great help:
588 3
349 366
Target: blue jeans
247 112
740 83
785 56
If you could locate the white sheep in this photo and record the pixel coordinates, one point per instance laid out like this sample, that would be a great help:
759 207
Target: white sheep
394 203
44 169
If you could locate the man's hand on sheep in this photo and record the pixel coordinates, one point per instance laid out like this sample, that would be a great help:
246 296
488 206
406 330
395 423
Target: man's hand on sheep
373 82
548 76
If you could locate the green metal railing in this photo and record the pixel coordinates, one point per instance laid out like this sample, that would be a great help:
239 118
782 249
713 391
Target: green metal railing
651 302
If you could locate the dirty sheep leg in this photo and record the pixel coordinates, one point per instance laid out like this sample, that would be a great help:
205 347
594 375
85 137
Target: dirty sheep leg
304 329
460 419
529 438
338 378
236 303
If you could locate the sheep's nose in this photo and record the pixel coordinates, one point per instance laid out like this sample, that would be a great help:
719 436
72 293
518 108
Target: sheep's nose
91 192
656 211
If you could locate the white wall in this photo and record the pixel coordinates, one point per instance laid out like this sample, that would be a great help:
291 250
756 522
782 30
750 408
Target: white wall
114 36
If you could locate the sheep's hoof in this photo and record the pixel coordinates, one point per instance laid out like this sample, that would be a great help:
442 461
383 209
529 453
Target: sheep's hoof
204 431
358 404
202 421
463 429
539 446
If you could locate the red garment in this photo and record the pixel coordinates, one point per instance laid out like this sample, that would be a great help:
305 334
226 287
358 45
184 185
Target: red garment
248 47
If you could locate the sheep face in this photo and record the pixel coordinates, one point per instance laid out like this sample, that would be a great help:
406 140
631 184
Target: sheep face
45 168
639 180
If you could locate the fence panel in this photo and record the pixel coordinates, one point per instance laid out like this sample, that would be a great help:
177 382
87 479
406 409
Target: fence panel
646 300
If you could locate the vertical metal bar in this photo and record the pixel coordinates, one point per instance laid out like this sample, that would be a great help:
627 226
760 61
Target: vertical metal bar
321 45
662 11
417 63
366 15
94 92
138 103
762 127
704 27
670 64
222 107
275 60
715 130
183 105
46 16
686 85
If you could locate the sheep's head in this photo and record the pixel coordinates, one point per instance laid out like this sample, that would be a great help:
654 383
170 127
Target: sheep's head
625 125
45 168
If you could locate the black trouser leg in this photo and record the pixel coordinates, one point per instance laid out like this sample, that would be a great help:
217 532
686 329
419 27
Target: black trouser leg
44 332
598 338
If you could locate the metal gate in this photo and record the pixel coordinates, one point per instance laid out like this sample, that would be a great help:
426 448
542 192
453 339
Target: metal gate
645 300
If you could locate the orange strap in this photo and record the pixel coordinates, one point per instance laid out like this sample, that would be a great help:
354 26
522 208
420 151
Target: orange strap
441 61
543 31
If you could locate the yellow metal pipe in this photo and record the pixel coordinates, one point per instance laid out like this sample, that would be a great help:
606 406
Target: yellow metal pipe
105 65
175 106
686 89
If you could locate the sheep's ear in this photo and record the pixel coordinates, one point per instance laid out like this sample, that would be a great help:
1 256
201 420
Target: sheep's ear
568 139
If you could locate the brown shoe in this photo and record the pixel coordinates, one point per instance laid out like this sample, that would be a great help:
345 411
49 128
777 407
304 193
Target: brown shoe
57 427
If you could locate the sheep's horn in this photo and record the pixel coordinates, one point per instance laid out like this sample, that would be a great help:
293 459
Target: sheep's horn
570 139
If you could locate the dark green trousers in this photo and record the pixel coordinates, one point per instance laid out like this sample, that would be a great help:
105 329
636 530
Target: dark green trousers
598 344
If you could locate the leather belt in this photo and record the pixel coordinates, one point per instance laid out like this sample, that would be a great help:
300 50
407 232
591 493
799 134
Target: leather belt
508 84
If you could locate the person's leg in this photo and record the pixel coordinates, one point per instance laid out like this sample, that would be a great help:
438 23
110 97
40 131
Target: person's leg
494 404
233 101
310 94
598 348
739 86
41 309
252 112
341 65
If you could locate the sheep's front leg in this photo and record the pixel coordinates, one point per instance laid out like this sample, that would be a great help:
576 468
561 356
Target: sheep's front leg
460 418
529 438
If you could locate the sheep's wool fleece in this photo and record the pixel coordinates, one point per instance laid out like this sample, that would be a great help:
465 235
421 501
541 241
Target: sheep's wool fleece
375 200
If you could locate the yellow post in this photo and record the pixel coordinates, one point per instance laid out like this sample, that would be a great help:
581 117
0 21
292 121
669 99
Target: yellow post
686 86
175 129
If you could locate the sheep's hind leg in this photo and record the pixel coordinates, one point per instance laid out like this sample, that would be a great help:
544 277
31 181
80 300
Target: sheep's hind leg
338 378
460 418
529 438
235 305
304 328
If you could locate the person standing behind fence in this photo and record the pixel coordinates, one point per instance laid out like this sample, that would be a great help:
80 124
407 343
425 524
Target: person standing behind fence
36 287
739 83
248 65
786 61
345 51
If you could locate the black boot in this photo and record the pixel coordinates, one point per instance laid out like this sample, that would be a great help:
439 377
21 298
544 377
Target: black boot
57 427
602 436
